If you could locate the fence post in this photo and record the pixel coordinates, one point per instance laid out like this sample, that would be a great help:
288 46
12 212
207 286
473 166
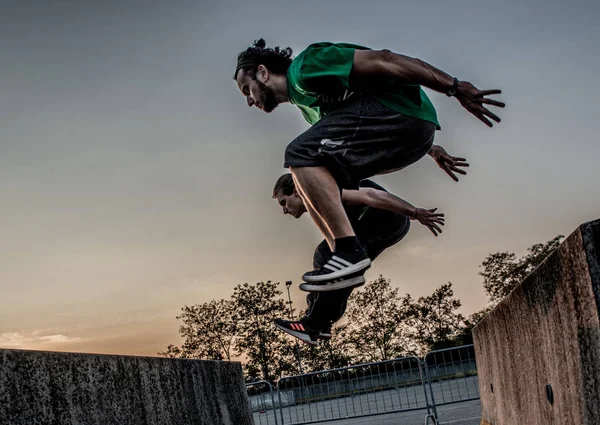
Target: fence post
280 405
456 367
433 406
424 382
272 399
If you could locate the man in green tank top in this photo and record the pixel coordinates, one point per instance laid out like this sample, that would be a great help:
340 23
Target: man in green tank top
368 115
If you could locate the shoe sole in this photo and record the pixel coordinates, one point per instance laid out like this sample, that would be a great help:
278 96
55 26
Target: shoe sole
333 286
361 266
302 337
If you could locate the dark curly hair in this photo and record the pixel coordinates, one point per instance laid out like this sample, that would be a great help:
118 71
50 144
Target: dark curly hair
276 59
284 184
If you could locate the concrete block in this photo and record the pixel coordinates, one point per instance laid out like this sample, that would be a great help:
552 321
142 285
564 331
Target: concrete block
538 351
52 388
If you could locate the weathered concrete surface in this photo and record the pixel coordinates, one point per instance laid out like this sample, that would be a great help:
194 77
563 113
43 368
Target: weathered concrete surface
51 388
546 332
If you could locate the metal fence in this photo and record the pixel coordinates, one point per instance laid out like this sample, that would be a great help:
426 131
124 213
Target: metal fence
398 385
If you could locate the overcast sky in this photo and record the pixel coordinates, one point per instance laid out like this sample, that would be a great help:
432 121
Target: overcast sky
134 179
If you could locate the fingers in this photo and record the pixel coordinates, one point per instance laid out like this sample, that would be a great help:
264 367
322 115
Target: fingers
451 164
491 114
453 170
493 102
434 228
482 118
458 170
452 175
489 92
436 219
459 162
447 170
432 231
474 104
481 110
434 222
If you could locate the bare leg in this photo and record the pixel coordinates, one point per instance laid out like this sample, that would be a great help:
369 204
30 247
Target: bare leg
320 224
322 194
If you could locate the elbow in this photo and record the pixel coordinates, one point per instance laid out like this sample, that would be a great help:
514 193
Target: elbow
373 63
374 199
396 65
386 55
383 61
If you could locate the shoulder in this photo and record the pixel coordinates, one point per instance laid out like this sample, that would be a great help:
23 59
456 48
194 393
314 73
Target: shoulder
327 51
322 67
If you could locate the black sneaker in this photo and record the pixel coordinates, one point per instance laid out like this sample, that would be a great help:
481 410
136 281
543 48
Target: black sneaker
340 266
299 330
334 285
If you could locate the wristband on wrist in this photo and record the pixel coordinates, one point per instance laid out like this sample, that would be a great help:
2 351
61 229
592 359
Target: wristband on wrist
452 91
415 213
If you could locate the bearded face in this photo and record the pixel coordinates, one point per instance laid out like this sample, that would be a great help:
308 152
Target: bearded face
256 92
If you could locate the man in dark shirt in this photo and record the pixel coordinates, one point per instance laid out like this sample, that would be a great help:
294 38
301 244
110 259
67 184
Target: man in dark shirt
379 219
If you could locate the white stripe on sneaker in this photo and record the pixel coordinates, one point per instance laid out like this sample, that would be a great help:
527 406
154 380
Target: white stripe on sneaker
341 261
333 286
332 268
336 264
335 273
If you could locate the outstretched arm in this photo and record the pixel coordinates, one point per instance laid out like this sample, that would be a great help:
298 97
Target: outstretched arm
384 63
383 200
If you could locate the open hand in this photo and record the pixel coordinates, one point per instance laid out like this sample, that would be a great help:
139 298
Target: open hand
448 163
473 99
430 219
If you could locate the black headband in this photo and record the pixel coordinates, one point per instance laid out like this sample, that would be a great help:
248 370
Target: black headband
245 61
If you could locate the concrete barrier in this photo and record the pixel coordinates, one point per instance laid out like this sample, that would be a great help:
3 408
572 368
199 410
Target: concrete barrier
50 388
538 351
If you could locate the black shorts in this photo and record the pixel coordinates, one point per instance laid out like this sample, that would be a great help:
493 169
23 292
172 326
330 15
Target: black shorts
376 231
359 139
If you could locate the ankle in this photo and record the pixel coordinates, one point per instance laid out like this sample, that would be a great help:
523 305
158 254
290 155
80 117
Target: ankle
347 244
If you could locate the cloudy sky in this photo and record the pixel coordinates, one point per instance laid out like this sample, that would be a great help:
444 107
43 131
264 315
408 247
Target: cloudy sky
134 179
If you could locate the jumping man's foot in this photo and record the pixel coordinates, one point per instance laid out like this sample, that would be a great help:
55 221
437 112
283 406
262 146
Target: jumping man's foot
300 329
349 260
333 285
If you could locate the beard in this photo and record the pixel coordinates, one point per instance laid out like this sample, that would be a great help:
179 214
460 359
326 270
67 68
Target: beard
269 101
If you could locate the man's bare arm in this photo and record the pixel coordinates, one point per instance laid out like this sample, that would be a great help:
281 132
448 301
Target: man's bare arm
378 199
383 200
370 64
